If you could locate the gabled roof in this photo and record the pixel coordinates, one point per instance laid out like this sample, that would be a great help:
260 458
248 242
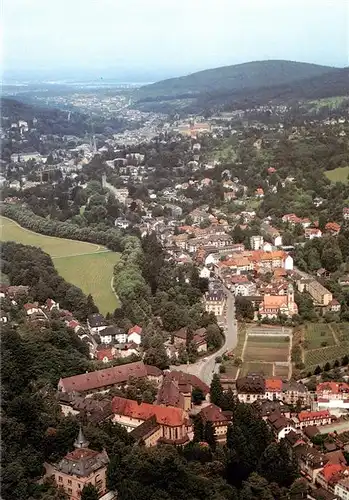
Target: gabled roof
165 415
102 378
303 416
135 329
214 414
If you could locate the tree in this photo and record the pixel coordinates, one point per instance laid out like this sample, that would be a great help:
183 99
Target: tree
89 492
216 391
345 360
317 370
244 308
327 367
197 396
198 429
210 435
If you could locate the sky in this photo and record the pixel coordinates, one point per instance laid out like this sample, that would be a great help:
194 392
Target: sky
145 40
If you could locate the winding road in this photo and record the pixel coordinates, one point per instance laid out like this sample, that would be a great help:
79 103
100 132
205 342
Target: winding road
206 367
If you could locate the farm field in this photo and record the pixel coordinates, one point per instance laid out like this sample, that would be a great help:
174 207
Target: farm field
325 354
339 174
265 368
86 265
264 348
317 335
281 371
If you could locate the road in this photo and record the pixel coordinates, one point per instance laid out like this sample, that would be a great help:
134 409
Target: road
206 367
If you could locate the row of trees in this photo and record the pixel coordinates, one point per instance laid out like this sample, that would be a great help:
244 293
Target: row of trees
110 238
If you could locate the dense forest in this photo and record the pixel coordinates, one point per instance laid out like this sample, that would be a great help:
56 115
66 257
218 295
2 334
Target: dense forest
253 88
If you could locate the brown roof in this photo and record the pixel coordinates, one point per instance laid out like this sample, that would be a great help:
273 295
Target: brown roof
146 429
153 371
214 414
102 378
182 333
169 394
187 378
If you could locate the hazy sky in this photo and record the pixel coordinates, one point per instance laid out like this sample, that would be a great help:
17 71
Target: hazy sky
169 37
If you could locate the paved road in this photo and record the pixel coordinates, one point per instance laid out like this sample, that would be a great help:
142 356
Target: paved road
205 368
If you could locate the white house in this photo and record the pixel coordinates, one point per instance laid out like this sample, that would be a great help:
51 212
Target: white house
96 323
288 263
135 334
205 273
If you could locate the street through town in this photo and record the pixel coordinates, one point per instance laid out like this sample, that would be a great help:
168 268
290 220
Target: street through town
206 367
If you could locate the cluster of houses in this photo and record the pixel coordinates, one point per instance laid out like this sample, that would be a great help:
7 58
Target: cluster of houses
170 418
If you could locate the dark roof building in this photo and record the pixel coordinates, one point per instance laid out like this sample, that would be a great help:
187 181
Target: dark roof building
100 379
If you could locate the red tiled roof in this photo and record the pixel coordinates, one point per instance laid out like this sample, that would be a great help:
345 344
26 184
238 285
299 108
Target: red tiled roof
313 415
331 470
105 353
332 387
273 385
165 415
135 329
102 378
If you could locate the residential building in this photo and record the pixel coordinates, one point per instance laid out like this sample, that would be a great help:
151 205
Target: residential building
79 468
342 489
332 395
218 419
312 232
307 418
280 425
310 461
96 323
173 422
320 295
329 476
134 334
107 378
113 334
256 242
215 301
332 228
346 213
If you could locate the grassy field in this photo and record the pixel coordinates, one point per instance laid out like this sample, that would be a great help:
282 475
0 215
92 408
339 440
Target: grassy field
339 174
281 371
86 265
341 331
317 335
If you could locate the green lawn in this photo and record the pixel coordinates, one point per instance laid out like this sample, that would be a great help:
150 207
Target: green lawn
339 174
92 273
317 334
86 265
252 367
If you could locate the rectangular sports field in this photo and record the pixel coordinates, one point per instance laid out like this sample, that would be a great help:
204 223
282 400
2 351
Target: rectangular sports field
267 349
85 265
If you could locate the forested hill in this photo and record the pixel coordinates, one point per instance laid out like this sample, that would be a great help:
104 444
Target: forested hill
48 120
247 76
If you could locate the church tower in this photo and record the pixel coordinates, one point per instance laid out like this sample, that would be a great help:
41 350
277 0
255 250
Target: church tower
80 441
